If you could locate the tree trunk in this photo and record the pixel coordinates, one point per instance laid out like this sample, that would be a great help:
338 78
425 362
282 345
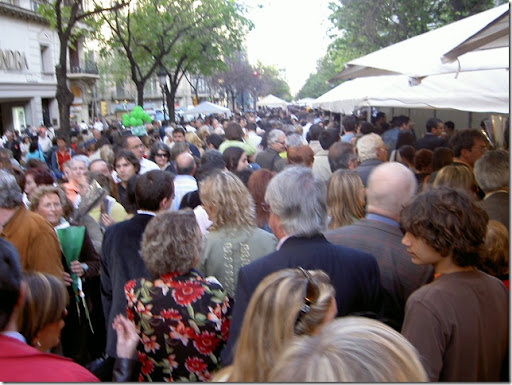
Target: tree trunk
64 95
170 96
140 93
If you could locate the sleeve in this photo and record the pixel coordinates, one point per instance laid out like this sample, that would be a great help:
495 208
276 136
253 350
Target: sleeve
45 252
423 329
55 165
89 256
242 297
105 282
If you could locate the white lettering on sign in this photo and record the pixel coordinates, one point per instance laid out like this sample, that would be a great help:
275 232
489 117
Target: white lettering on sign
13 60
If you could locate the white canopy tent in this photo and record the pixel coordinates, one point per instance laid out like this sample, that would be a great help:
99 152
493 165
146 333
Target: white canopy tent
478 42
303 102
208 108
480 91
272 101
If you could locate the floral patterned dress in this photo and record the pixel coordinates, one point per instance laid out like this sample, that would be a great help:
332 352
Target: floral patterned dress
183 323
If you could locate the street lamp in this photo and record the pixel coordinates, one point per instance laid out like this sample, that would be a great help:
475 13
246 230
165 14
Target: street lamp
162 77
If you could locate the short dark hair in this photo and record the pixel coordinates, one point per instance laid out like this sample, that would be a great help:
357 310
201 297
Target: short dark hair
328 137
152 187
233 131
432 123
464 140
178 130
232 156
366 128
450 125
402 119
130 157
450 222
314 131
349 123
215 140
340 154
124 140
10 281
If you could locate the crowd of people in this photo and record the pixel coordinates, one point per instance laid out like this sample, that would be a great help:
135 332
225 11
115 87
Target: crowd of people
273 245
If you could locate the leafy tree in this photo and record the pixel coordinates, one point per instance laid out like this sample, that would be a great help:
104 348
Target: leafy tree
69 19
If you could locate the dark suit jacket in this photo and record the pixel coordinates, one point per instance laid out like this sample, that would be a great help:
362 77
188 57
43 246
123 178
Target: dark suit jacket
365 168
497 207
430 142
354 275
399 276
270 160
120 262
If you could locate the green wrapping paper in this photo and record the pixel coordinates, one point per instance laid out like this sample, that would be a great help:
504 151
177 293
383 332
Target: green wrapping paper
71 240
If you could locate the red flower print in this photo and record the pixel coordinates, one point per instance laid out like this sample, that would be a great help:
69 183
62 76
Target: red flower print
170 314
168 278
185 293
172 362
129 314
195 364
143 310
206 342
146 365
214 315
181 332
150 344
224 329
129 285
204 377
130 297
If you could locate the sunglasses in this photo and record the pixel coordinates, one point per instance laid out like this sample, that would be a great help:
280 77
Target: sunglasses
312 294
162 155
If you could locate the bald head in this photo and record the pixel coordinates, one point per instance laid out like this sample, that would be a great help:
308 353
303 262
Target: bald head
390 187
185 164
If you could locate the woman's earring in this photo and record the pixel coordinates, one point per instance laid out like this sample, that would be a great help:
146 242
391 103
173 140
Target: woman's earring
38 344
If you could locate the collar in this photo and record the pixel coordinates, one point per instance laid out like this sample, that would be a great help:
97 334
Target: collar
16 335
146 212
281 241
382 218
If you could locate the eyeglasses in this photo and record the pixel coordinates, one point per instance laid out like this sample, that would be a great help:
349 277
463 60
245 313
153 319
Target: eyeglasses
162 155
312 294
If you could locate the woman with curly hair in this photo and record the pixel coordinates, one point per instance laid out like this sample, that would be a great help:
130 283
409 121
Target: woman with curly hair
286 304
234 239
183 319
345 198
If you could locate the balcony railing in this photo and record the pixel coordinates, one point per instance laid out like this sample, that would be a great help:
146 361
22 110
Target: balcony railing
89 67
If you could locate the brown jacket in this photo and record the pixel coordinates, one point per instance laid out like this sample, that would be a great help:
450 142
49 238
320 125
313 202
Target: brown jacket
36 242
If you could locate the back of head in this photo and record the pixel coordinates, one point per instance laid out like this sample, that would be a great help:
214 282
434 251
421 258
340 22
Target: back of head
423 160
367 128
441 157
456 177
300 155
303 214
215 140
391 186
45 300
275 314
495 260
314 131
229 200
212 159
152 187
344 201
492 171
328 137
340 155
10 192
349 123
293 140
234 132
350 349
10 281
449 221
185 164
367 146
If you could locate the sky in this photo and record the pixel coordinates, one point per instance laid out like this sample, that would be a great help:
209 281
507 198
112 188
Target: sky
289 34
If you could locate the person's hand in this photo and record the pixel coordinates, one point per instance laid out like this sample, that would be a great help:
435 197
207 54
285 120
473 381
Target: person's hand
127 337
76 267
67 278
106 220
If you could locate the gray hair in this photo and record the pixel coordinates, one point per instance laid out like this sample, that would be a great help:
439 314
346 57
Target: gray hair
294 140
367 146
391 186
10 192
80 158
299 200
492 171
274 135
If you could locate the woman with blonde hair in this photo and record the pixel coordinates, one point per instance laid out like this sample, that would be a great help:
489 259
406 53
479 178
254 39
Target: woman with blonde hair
350 349
345 198
234 240
287 303
457 177
191 137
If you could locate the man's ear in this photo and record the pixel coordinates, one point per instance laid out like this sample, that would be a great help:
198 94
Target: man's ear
165 203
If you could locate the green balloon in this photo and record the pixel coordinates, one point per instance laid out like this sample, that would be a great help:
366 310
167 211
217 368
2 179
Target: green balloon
139 122
147 118
133 121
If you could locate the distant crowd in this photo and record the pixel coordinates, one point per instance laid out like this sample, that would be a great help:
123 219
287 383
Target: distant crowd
266 246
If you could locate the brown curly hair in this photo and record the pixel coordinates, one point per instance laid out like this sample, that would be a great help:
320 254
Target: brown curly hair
450 222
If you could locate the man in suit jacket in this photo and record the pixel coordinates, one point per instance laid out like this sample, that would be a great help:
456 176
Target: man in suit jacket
120 258
492 175
432 138
298 214
390 187
20 362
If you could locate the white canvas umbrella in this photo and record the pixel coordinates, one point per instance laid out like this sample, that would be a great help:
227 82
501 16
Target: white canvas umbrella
208 108
272 101
480 91
422 55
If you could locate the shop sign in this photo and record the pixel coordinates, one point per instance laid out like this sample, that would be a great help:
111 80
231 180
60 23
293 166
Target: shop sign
11 60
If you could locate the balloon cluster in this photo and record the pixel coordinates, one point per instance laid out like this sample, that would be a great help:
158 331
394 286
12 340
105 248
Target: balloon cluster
136 118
